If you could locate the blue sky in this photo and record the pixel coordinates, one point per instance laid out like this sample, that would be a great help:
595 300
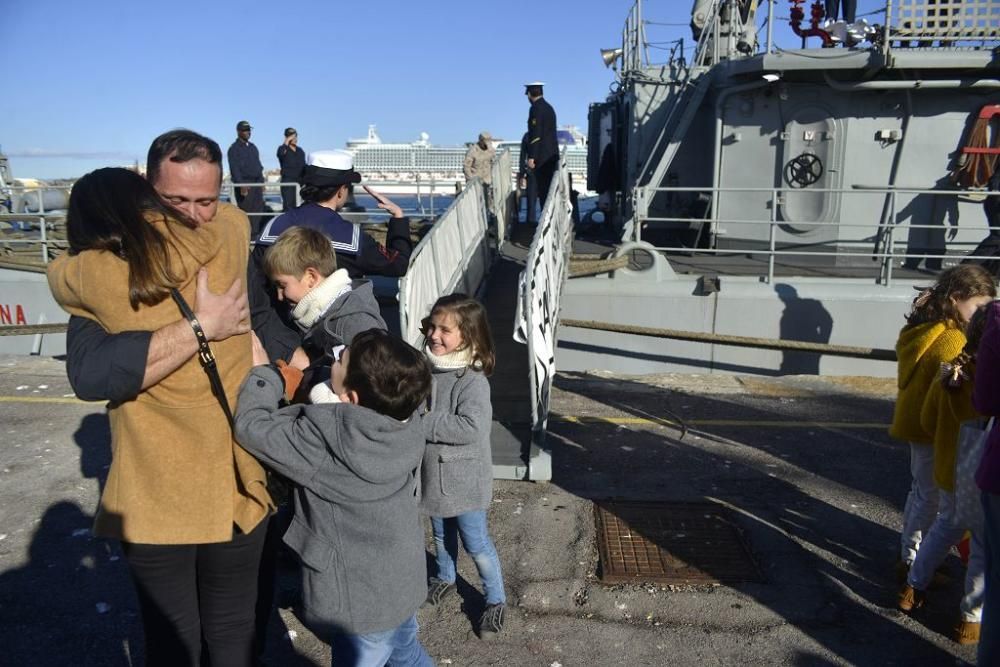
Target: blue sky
91 83
88 84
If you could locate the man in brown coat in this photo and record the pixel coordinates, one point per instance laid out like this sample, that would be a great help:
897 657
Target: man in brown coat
479 159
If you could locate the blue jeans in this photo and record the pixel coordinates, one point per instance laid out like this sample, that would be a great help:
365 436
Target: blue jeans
989 635
398 647
476 540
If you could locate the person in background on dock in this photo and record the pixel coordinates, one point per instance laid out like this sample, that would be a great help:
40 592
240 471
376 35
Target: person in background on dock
292 159
527 183
188 504
934 334
356 526
949 403
479 162
986 398
543 145
327 181
245 167
457 473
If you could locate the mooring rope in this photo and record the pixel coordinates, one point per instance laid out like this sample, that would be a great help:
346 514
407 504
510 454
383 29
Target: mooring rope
737 341
592 265
31 329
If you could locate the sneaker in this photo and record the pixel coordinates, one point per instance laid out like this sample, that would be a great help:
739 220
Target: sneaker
910 599
437 590
491 623
966 633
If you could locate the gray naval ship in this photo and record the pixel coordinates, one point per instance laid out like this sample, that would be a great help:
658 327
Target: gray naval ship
793 193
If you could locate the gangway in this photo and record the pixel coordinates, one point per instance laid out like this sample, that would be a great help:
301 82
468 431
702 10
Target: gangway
467 250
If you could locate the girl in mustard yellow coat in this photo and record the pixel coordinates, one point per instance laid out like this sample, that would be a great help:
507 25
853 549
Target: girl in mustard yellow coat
947 405
934 334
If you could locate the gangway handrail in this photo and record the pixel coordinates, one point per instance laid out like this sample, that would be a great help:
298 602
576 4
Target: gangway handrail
539 297
454 256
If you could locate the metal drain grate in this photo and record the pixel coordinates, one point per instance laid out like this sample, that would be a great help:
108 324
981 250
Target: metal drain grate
690 543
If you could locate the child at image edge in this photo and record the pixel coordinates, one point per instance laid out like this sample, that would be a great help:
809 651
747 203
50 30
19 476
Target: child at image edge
457 473
934 334
356 526
947 405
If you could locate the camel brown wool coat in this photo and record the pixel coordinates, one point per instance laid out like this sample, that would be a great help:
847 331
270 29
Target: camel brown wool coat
177 476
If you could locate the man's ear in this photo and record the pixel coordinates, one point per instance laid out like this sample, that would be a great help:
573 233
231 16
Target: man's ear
349 396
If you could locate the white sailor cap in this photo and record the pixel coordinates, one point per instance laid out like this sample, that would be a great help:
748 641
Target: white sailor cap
327 168
534 83
333 159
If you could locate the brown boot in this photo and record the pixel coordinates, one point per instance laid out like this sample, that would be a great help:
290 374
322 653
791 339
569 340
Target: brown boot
967 632
910 599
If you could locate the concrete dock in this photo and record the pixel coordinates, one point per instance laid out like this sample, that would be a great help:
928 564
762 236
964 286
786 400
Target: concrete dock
803 466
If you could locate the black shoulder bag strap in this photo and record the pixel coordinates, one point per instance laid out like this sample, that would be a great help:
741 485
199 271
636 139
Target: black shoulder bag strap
205 356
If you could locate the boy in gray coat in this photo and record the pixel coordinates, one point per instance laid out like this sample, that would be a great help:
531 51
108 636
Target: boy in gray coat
356 527
326 305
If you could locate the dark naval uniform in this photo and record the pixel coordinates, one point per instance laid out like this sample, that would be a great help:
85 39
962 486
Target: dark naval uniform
543 147
245 167
293 163
356 251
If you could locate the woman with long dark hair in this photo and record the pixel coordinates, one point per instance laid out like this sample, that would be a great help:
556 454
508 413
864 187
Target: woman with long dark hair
188 504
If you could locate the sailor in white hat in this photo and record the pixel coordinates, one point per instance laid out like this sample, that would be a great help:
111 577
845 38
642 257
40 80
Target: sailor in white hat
327 181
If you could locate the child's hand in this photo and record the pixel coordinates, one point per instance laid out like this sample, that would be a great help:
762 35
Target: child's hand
259 353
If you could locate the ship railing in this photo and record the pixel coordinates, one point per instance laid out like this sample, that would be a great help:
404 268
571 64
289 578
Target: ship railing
428 198
455 255
539 298
880 239
948 22
32 208
920 23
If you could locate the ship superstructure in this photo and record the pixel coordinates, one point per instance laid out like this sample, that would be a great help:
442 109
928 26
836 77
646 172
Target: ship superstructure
379 160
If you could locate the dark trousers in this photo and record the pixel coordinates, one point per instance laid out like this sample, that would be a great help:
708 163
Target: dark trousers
252 202
543 175
288 198
833 7
267 576
531 197
190 593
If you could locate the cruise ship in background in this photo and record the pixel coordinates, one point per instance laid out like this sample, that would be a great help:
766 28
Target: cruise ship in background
402 166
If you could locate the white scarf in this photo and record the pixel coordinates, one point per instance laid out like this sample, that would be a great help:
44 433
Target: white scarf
320 298
323 393
451 361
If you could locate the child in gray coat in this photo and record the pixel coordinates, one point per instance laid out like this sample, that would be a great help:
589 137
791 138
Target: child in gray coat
356 527
325 303
457 473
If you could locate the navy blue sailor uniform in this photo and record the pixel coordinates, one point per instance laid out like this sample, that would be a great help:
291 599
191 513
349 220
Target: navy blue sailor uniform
356 251
245 167
543 146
